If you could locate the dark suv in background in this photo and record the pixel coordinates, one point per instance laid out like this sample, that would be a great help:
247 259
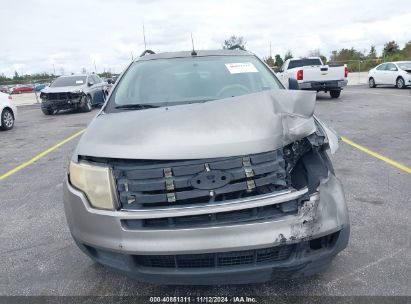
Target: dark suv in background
78 92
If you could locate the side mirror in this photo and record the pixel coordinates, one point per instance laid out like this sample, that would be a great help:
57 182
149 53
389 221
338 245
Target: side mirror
293 84
90 83
109 81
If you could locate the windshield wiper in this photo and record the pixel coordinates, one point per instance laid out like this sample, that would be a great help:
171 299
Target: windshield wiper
136 106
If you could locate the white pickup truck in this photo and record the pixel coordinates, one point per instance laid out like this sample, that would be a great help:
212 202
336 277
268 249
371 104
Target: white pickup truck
313 75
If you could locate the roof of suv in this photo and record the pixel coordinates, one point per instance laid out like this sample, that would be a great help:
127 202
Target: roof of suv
200 53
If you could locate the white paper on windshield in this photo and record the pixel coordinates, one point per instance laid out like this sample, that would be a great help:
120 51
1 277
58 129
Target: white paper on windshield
79 81
241 67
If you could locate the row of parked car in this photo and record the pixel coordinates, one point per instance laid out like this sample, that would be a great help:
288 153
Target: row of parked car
23 88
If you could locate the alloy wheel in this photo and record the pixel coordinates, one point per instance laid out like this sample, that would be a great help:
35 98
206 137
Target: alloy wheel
8 119
400 83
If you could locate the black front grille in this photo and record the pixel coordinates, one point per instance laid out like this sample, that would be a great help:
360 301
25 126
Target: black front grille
214 260
58 96
152 184
215 219
61 96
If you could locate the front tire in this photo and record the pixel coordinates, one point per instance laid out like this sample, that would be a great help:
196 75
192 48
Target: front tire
47 111
371 83
7 119
86 107
400 83
335 93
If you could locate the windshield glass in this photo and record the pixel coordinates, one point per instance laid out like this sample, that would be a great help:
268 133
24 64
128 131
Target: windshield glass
195 79
69 81
404 65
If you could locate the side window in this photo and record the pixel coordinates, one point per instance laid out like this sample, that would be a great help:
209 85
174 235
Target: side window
391 67
98 80
381 67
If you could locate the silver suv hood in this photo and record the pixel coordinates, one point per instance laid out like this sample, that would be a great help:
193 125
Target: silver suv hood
241 125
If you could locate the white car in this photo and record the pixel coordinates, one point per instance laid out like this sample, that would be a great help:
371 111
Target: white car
391 73
8 112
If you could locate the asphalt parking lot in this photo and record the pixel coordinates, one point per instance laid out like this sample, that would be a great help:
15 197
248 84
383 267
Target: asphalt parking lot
38 256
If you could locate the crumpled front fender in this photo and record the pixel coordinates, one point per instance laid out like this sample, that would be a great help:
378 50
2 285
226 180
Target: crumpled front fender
332 138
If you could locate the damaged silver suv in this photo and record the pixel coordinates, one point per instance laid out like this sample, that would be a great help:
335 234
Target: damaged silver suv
201 168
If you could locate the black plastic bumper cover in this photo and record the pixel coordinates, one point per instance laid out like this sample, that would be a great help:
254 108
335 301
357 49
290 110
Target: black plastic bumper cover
299 264
323 86
60 104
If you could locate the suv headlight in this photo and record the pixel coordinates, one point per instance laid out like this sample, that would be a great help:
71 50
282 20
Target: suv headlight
96 182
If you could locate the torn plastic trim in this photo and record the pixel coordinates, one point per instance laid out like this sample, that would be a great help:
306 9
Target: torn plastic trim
308 166
325 212
331 136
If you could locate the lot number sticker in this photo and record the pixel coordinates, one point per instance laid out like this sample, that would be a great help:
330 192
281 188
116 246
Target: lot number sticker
241 67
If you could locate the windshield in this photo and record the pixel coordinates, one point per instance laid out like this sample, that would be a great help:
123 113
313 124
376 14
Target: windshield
404 65
195 79
69 81
303 62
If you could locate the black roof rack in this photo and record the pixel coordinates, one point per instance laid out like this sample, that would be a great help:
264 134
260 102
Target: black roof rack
236 46
146 52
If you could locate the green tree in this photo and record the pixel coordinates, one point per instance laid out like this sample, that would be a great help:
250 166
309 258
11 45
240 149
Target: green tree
390 48
36 78
407 50
105 74
3 78
288 55
278 60
269 61
234 40
373 53
347 54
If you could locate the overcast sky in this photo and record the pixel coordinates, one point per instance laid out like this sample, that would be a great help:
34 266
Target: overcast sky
72 34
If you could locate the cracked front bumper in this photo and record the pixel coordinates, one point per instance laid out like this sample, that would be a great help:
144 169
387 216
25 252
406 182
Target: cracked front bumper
102 236
61 104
